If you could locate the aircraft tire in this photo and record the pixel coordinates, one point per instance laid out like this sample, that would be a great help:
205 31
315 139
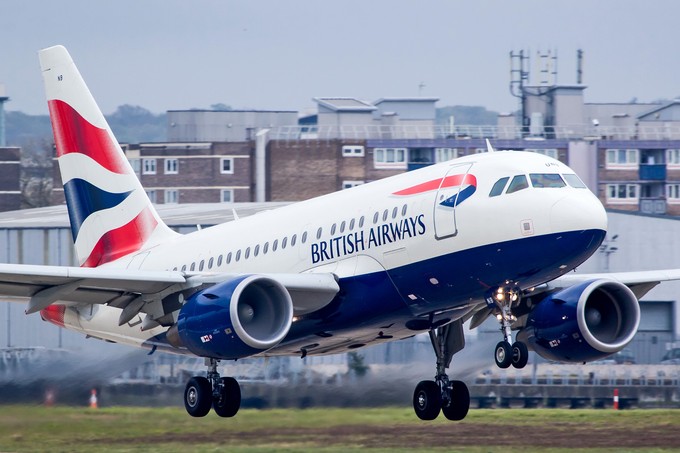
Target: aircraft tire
460 402
520 354
198 396
230 398
427 400
503 354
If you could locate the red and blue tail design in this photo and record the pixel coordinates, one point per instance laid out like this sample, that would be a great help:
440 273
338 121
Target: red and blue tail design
467 183
110 214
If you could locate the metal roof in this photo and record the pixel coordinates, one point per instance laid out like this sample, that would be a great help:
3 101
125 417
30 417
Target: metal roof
175 215
345 104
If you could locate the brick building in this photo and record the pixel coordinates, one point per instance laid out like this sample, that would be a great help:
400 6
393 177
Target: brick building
188 172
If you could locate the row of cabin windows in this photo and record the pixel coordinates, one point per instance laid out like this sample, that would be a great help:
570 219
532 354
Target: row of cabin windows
236 257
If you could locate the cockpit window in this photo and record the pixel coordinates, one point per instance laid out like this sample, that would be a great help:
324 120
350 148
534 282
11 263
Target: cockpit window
519 182
574 181
546 180
497 188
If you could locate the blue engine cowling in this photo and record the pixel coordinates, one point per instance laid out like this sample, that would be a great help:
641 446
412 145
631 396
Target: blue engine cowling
584 322
234 319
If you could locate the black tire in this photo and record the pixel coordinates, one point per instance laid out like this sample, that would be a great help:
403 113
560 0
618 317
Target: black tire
520 354
503 354
427 400
198 396
460 402
229 402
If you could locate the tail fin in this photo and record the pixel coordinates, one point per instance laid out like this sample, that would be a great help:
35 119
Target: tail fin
110 213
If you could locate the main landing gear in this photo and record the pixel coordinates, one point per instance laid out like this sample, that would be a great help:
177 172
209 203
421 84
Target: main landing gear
442 395
222 394
508 353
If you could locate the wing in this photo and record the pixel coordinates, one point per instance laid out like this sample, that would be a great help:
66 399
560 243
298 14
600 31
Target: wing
135 291
639 282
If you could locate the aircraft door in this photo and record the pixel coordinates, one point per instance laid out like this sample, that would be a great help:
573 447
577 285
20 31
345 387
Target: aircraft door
457 185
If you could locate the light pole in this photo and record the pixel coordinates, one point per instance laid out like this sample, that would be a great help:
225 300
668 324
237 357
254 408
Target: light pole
607 248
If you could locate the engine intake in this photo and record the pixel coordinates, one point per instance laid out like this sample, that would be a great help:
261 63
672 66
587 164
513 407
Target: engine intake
584 322
234 319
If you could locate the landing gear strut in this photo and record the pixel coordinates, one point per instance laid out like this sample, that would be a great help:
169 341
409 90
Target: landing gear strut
442 395
508 353
222 394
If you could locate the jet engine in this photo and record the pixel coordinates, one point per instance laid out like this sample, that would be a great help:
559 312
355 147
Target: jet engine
584 322
234 319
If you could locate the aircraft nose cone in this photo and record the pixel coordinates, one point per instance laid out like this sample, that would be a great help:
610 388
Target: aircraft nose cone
576 212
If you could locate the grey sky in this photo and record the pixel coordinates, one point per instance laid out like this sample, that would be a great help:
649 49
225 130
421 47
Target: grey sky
274 54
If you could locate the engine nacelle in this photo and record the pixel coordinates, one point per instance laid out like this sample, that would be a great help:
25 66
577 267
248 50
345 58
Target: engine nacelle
582 323
234 319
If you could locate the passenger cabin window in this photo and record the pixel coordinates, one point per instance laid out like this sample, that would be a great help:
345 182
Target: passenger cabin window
546 180
519 182
498 187
574 181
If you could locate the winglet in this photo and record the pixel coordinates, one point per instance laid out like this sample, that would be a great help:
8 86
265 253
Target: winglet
489 148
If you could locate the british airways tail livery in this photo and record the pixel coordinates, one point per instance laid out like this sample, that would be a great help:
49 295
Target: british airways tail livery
110 214
493 234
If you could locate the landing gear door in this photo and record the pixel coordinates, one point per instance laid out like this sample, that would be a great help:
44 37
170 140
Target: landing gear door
457 185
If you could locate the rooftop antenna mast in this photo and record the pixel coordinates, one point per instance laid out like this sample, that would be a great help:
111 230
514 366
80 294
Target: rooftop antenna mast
547 68
519 77
579 66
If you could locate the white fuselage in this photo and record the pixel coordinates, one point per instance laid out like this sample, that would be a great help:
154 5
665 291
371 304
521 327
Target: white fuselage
383 227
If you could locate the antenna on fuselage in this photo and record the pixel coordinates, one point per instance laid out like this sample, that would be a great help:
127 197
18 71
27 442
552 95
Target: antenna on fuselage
489 148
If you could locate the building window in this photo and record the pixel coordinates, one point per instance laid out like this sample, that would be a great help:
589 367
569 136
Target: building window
152 195
149 166
673 156
673 193
622 193
227 196
171 166
171 196
390 158
227 165
550 152
444 154
622 158
352 151
136 165
350 184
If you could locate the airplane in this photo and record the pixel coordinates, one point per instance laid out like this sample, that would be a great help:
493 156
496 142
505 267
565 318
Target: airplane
495 234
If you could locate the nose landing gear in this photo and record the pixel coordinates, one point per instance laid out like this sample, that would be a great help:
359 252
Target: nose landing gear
508 353
222 394
442 395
